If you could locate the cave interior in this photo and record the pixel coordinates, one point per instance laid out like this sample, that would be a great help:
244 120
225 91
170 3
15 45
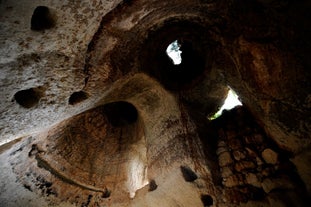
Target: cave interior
94 111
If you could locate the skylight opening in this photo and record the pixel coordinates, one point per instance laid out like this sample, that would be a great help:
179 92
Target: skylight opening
231 102
174 53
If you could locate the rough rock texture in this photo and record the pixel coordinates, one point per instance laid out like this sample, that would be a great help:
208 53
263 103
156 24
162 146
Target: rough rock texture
92 109
258 174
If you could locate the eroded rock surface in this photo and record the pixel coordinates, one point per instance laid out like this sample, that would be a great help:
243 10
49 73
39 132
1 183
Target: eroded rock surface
94 113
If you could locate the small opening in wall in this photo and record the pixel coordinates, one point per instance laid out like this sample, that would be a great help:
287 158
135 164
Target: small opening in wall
42 19
106 194
231 101
28 98
152 185
188 174
120 113
77 97
174 53
207 200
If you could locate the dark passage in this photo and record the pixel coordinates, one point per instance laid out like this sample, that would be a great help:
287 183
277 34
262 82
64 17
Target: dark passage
120 113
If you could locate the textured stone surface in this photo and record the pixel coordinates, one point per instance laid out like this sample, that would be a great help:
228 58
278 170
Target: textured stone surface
252 179
269 156
61 66
278 183
52 59
225 159
257 171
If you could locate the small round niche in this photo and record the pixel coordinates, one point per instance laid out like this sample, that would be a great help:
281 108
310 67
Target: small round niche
188 174
42 19
28 98
207 200
77 97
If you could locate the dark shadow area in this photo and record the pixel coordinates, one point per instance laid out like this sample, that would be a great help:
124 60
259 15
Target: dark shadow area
207 132
120 113
106 194
207 200
152 185
175 77
42 19
28 98
193 40
188 174
77 97
256 194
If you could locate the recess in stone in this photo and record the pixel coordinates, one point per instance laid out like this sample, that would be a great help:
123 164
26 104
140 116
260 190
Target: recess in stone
28 98
173 51
77 97
207 200
152 185
188 174
42 19
120 113
106 194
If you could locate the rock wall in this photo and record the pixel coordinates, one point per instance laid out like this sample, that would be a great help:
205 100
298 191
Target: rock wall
88 84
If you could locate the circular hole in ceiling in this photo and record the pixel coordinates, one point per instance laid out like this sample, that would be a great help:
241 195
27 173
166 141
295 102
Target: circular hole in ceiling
176 54
187 65
120 113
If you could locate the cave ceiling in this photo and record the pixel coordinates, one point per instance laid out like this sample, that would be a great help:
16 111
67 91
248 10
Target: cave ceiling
87 84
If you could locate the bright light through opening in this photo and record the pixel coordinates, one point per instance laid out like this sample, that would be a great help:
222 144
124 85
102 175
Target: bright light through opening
231 101
174 53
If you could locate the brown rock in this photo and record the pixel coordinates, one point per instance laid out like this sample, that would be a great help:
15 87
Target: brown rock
259 161
107 51
234 144
254 139
222 144
267 171
252 179
221 150
238 155
251 153
234 180
244 165
226 172
270 156
257 138
248 139
269 184
231 134
225 159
